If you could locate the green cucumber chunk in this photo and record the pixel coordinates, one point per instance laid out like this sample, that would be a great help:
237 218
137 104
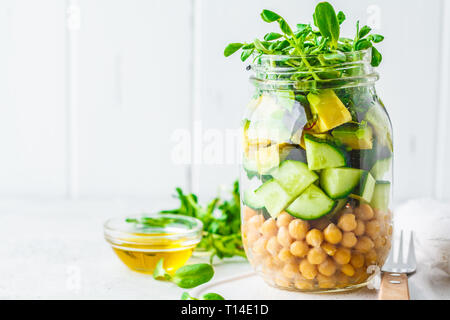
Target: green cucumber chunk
366 187
380 122
381 195
252 200
355 135
294 177
338 183
322 154
380 168
275 198
312 204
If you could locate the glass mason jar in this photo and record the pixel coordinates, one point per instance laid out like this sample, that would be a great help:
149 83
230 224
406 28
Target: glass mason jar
316 176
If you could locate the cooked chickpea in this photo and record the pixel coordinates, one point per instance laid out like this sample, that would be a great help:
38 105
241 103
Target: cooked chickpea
308 270
342 255
373 228
330 249
364 212
299 248
379 242
298 229
303 284
284 219
327 268
316 255
326 282
273 246
284 238
349 240
314 237
364 244
252 236
357 260
360 227
248 213
348 270
259 247
371 257
321 223
347 222
290 270
332 234
269 228
255 222
285 255
282 282
342 279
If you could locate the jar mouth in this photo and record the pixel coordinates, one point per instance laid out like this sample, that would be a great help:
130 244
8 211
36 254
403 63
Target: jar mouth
153 231
341 69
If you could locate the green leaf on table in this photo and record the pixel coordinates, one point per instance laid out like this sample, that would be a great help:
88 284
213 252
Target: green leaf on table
160 273
193 275
212 296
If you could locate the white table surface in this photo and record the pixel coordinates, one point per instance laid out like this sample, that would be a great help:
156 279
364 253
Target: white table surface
54 249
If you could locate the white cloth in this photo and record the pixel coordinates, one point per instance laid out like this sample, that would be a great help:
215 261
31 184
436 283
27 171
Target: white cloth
430 222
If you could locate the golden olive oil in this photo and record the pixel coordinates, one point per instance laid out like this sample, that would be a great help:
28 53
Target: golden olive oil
143 257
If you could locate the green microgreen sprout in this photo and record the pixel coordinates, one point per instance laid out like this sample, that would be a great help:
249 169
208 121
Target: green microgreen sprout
323 41
206 296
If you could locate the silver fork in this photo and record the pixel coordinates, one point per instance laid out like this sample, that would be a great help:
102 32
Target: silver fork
394 283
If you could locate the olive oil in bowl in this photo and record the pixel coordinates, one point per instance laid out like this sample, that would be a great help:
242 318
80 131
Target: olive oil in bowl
141 241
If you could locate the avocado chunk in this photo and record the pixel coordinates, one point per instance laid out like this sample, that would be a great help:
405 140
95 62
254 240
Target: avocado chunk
329 110
355 135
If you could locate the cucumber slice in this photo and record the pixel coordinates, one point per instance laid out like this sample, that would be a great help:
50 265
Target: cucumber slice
252 200
381 195
322 154
366 187
380 168
294 177
338 183
380 122
312 204
275 198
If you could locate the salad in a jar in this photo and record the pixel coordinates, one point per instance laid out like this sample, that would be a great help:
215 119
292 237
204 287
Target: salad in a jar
316 177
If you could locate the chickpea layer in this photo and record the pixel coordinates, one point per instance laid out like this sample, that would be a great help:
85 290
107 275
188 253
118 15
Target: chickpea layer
321 254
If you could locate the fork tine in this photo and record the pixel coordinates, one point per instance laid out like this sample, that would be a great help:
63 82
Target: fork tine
411 260
400 249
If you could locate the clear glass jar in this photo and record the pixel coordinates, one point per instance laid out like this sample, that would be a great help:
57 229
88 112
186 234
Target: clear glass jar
316 177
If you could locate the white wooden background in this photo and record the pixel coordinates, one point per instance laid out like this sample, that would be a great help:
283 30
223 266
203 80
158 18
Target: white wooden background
94 93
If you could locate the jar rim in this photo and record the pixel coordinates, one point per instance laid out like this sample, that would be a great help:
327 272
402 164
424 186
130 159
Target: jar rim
285 72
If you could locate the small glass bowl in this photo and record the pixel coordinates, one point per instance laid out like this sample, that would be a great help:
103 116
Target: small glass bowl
140 241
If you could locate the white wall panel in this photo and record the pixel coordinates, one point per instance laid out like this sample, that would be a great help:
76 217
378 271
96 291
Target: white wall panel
134 81
32 105
223 86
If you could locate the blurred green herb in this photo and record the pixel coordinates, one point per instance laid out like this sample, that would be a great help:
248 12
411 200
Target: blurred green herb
324 42
186 277
221 222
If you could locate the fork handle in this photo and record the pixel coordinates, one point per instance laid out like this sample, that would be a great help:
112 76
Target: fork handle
394 287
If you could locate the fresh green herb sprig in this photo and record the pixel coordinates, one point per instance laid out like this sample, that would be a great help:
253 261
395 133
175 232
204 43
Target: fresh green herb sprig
221 223
206 296
318 48
186 277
